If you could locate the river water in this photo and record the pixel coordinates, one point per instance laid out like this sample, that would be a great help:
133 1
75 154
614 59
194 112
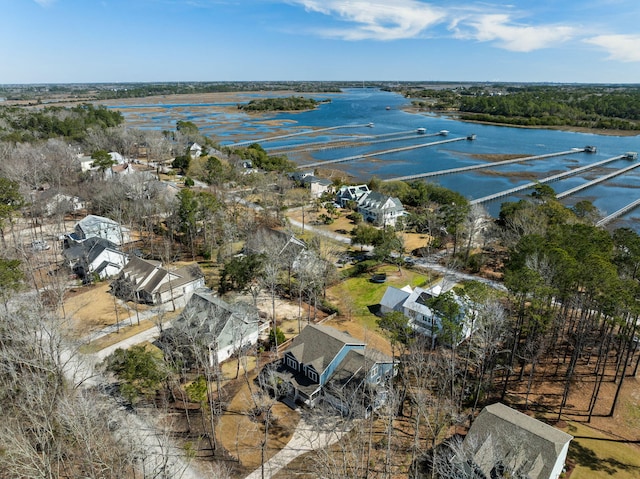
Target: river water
385 111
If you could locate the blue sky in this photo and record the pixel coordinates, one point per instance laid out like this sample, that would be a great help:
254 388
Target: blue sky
68 41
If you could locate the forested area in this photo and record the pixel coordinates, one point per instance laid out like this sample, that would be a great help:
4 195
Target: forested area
73 124
292 103
615 108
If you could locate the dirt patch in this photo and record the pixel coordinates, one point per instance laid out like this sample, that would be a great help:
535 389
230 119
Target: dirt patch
91 308
242 437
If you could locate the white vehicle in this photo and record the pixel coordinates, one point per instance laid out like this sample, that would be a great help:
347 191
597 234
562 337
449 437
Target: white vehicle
40 245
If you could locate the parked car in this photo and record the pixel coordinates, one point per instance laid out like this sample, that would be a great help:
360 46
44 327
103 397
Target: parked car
40 245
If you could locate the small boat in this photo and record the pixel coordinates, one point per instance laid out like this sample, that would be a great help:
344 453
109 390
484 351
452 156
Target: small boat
388 108
370 125
421 131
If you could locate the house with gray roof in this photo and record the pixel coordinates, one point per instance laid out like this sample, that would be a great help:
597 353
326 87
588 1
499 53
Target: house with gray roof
95 256
416 305
394 298
322 362
221 329
317 186
503 442
94 226
349 193
379 209
149 282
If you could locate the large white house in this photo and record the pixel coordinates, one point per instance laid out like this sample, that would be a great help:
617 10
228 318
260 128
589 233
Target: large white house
415 305
223 329
376 208
379 209
149 282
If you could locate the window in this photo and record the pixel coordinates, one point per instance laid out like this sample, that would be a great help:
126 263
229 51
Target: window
311 374
374 371
292 363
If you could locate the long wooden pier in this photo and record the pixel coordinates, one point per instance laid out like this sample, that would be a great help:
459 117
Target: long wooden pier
463 169
548 179
379 153
618 213
289 135
346 142
606 177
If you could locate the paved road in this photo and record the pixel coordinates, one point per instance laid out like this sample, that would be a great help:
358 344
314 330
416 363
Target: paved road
329 234
158 455
430 262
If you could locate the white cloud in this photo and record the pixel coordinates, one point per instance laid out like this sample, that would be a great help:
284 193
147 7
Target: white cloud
625 48
500 29
44 3
378 19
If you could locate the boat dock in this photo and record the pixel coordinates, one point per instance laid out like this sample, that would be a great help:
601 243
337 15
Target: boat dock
620 212
549 179
348 142
379 153
596 181
463 169
289 135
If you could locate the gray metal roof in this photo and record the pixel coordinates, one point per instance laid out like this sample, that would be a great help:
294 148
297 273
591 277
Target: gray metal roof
394 298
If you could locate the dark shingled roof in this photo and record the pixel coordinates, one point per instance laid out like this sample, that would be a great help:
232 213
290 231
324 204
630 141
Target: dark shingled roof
318 345
502 434
89 248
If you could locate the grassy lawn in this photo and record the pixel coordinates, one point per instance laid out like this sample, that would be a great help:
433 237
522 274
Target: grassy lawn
597 455
354 296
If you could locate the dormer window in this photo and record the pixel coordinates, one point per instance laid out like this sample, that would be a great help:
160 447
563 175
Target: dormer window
291 362
312 374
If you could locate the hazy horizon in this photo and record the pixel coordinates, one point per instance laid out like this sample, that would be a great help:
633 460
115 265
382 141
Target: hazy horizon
165 41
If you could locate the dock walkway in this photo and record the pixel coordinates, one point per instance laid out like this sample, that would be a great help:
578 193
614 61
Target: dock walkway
548 179
463 169
379 153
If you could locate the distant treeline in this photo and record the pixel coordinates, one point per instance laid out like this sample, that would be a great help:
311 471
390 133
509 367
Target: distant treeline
291 103
106 91
616 108
26 125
